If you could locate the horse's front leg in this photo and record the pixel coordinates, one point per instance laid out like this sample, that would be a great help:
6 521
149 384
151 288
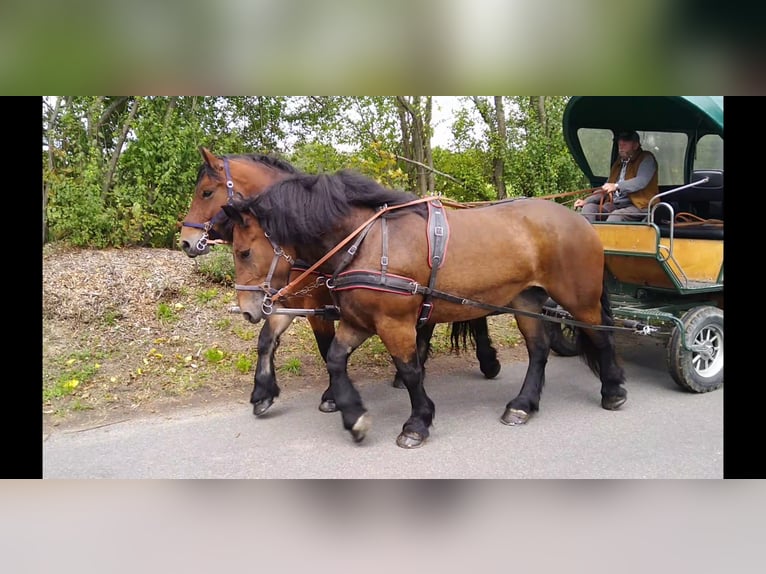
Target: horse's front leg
324 331
265 388
348 401
407 348
519 409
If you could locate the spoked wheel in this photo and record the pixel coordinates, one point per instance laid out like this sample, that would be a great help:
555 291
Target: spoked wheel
562 337
701 369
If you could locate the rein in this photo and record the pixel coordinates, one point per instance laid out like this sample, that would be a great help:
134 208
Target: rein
208 225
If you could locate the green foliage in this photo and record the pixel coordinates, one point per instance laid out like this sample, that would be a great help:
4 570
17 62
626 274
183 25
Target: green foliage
243 364
207 295
81 368
165 313
214 355
472 168
120 170
292 366
218 265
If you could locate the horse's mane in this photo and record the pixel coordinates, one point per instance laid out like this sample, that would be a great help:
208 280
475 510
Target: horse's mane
269 160
300 210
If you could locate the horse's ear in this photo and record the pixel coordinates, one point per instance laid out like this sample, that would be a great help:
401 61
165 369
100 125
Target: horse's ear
208 157
233 213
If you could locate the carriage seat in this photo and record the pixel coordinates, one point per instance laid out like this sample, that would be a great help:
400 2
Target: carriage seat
705 201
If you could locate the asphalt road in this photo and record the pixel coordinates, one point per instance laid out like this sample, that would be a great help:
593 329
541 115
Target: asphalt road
660 432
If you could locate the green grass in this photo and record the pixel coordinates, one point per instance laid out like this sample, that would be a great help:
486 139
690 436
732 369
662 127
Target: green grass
214 355
82 367
292 366
218 265
207 295
110 317
246 332
243 364
166 313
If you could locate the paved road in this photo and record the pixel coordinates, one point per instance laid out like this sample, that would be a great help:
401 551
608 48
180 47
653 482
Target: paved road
661 432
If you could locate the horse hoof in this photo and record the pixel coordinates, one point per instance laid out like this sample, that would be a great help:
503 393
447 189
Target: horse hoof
261 407
410 439
492 371
398 384
513 417
328 406
612 403
361 426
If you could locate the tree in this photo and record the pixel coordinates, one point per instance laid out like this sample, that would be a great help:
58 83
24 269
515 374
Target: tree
493 114
415 121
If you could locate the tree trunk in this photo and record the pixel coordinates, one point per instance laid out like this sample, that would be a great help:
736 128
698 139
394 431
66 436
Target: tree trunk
498 162
538 104
415 122
118 150
498 143
52 118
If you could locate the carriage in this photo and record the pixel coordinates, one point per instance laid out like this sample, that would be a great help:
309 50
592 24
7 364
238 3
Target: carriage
665 273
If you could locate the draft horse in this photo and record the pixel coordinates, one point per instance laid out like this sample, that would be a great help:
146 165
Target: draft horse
218 180
511 254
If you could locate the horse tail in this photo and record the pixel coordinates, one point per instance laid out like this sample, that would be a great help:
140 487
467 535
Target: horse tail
586 348
460 333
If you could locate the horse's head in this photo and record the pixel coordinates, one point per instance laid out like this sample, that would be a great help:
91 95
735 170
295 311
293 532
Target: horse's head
261 267
218 179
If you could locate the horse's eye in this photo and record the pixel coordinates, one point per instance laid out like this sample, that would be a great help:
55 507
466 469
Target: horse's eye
207 194
244 254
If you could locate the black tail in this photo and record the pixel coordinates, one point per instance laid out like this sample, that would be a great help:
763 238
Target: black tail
586 348
460 334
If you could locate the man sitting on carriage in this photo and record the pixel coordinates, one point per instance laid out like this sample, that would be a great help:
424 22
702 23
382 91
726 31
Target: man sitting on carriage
632 183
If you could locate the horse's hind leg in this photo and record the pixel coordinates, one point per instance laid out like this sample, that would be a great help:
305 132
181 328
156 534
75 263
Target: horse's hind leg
598 349
324 331
265 388
485 352
519 409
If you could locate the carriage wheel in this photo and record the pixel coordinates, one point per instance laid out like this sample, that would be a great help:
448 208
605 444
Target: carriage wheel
700 370
562 338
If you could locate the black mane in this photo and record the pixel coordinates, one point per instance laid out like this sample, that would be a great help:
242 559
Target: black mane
300 210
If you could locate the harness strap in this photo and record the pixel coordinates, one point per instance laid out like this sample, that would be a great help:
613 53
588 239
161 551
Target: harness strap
351 251
384 249
438 234
404 286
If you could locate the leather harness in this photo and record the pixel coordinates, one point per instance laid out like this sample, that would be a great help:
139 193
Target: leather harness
437 233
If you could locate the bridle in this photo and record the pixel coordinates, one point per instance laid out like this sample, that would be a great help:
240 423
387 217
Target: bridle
265 287
208 225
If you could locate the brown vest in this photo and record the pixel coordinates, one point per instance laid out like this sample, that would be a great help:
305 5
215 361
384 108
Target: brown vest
641 197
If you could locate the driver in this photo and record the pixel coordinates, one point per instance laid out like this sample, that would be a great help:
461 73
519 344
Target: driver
632 183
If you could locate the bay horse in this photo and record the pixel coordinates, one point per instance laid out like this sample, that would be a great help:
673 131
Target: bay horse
218 179
514 253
